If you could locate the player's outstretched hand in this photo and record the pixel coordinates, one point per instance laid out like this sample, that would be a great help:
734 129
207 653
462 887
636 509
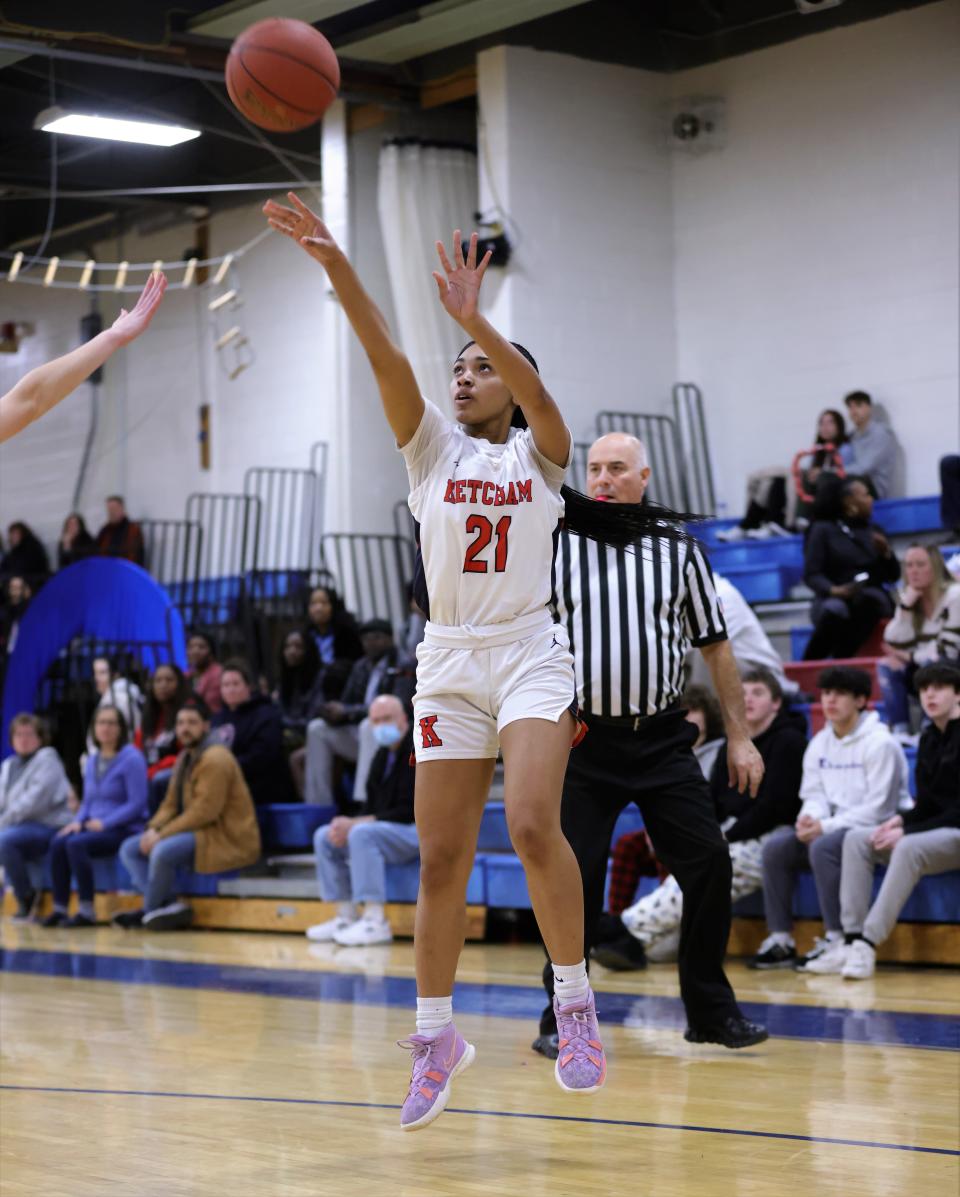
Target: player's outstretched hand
304 227
129 325
459 285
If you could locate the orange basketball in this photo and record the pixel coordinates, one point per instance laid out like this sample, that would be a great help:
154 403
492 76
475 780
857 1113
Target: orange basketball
282 74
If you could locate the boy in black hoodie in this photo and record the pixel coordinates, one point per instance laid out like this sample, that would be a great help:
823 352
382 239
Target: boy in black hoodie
780 736
917 843
252 728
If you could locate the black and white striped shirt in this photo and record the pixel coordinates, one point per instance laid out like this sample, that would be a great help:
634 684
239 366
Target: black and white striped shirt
632 616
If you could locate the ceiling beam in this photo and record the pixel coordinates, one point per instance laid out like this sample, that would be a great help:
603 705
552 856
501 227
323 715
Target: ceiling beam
230 19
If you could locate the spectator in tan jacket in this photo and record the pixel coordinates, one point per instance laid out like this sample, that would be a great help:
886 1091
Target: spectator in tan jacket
206 822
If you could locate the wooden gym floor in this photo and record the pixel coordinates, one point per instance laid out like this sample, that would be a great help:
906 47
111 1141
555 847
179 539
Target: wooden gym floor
235 1064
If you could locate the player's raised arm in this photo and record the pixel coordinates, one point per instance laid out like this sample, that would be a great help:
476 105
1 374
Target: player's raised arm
459 288
402 401
44 387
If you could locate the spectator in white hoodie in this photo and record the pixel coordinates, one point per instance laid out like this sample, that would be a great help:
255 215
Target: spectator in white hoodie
854 775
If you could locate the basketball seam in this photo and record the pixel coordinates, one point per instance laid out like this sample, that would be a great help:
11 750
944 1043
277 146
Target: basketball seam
289 58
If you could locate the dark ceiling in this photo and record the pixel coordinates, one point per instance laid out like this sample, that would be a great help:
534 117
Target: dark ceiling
49 53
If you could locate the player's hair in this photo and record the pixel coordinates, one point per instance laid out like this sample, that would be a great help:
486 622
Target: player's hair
616 524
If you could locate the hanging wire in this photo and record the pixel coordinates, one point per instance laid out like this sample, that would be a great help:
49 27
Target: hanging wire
52 203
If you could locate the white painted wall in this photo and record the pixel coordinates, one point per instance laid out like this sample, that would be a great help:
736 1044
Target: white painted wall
814 254
574 155
817 252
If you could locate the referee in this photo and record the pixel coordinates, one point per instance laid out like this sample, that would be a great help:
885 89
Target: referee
632 616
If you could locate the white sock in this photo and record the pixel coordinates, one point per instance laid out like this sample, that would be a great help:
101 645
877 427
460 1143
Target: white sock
570 983
373 912
834 936
86 909
784 938
346 910
434 1014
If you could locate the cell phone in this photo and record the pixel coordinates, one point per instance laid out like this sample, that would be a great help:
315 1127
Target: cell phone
861 577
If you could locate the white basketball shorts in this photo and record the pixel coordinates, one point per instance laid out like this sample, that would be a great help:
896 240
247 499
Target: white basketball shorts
473 682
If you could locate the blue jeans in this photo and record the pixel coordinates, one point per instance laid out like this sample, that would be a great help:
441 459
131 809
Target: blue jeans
896 685
18 844
358 871
73 854
155 876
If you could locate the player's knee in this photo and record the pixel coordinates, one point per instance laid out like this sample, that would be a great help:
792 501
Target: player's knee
442 866
532 839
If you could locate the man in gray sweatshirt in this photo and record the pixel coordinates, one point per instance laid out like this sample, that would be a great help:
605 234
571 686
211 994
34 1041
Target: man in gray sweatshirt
34 805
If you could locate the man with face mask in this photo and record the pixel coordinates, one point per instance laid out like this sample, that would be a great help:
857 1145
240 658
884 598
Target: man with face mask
354 850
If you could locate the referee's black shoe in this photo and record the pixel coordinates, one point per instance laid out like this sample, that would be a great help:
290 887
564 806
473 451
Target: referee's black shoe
547 1045
620 955
735 1031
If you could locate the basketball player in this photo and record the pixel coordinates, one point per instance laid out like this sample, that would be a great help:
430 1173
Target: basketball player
44 387
494 671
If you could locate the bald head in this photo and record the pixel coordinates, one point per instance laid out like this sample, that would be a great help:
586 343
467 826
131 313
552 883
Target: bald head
388 709
617 470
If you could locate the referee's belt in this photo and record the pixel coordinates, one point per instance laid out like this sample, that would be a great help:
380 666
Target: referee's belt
629 722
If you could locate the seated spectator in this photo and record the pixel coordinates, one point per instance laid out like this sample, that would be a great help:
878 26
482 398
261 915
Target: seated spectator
872 445
156 737
25 556
334 631
915 844
250 726
925 628
206 822
204 670
749 642
343 729
120 536
772 502
847 561
780 737
75 543
832 455
299 696
34 794
114 806
18 595
950 494
854 775
118 691
354 850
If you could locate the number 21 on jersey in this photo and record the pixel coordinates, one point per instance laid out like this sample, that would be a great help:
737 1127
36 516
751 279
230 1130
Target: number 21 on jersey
483 531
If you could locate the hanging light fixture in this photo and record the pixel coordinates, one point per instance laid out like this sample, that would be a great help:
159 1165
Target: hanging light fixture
110 128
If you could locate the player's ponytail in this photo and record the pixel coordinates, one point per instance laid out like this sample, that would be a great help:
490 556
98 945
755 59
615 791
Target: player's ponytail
621 524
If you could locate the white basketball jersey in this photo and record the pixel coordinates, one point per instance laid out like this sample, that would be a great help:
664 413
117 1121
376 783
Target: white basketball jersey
488 517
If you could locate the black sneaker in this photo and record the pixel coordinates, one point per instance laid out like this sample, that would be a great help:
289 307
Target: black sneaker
621 955
127 919
57 919
547 1045
175 917
26 907
735 1031
80 920
774 955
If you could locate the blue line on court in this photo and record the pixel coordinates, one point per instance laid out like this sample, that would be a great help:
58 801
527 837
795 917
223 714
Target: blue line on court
378 1105
876 1027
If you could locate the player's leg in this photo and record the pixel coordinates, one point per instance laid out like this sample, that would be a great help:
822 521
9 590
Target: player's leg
449 800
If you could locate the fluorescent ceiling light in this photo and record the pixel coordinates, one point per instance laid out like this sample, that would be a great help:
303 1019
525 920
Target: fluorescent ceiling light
108 128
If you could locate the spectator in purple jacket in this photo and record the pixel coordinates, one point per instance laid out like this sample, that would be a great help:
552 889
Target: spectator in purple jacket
114 806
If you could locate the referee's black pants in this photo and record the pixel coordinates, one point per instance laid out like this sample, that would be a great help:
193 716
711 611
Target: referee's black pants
654 767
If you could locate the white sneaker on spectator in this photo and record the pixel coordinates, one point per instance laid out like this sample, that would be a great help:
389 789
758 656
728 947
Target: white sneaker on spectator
327 932
831 960
729 535
363 933
664 949
861 962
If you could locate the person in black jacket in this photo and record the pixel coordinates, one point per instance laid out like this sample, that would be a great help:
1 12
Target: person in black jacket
847 562
780 736
252 728
354 850
25 556
75 542
914 844
343 728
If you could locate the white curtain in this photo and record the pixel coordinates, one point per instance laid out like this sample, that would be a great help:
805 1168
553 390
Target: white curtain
424 192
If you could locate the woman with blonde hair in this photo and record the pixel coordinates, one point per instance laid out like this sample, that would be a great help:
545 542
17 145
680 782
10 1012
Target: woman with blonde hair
925 628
